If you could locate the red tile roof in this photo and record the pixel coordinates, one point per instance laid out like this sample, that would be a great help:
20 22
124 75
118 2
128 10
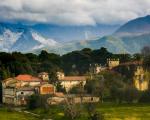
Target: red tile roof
27 77
74 78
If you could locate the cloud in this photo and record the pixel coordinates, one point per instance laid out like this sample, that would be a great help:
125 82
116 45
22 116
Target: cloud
73 12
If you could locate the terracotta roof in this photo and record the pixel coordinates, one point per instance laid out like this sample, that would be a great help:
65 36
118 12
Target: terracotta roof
74 78
27 77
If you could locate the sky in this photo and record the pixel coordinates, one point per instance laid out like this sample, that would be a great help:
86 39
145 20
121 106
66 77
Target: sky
73 12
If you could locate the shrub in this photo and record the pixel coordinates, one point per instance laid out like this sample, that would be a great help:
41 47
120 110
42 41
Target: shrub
33 102
131 94
145 97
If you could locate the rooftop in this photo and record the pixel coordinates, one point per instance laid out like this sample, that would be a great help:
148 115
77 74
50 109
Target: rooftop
74 78
27 77
132 63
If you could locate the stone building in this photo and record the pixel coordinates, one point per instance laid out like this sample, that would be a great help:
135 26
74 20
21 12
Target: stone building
16 90
96 68
69 82
113 63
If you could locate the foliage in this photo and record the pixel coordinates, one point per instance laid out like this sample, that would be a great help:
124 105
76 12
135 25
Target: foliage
113 87
95 86
0 92
33 102
131 94
71 111
145 97
146 54
73 63
92 113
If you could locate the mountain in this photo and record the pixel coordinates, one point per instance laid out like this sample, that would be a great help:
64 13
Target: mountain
137 26
129 38
28 38
16 37
74 33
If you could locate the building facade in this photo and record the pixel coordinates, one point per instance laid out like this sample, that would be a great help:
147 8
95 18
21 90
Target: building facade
96 68
69 82
16 90
113 63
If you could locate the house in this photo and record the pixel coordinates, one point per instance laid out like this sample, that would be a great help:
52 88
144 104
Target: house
44 76
96 68
16 90
69 82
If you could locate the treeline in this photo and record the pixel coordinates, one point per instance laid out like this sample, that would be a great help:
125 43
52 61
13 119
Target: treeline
73 63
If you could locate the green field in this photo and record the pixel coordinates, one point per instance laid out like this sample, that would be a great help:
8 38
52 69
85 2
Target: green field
126 112
110 111
6 114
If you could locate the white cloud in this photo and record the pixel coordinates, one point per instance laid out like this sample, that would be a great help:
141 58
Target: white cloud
74 12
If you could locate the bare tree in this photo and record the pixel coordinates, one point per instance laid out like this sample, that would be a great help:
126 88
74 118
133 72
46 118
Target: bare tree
70 109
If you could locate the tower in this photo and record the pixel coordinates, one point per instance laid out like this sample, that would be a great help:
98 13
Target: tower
113 63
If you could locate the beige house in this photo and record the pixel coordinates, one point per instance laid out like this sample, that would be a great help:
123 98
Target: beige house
69 82
16 90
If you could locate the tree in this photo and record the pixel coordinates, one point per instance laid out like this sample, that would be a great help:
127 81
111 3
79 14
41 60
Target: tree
137 57
146 62
95 86
1 92
60 88
71 111
145 97
117 94
92 113
32 57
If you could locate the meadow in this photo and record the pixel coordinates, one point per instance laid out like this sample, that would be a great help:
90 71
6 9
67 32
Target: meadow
6 114
109 110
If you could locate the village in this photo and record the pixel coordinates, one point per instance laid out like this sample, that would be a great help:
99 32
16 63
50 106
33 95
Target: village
16 90
78 85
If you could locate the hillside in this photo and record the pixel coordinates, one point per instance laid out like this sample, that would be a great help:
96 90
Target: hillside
135 27
129 38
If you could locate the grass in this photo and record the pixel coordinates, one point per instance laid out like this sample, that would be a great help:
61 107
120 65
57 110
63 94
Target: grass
5 114
109 110
125 111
